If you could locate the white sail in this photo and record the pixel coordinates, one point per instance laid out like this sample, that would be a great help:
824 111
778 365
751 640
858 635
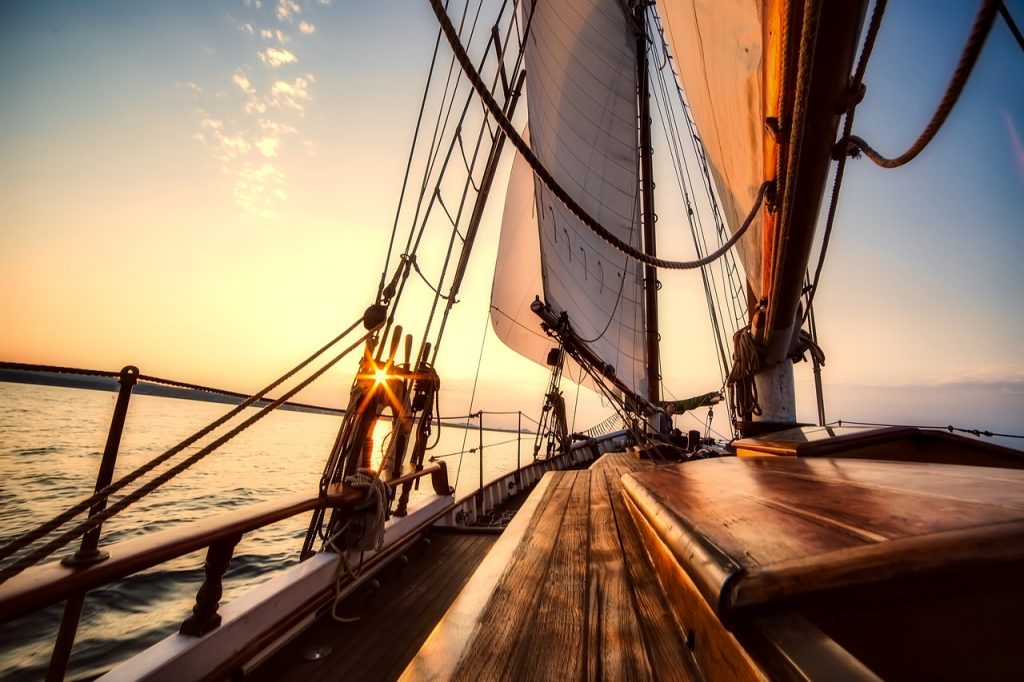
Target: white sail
717 46
581 95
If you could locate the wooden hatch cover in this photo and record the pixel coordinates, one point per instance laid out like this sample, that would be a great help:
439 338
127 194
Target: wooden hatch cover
752 532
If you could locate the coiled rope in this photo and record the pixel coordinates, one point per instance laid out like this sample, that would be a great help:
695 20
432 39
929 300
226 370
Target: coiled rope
372 536
972 49
746 360
549 181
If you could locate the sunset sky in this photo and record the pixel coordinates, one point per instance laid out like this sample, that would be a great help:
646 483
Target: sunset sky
205 190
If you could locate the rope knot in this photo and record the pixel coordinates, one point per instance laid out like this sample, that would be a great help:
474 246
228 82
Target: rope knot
369 534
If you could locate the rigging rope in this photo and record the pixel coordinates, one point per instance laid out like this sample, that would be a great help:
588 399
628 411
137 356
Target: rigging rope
856 92
1011 24
972 49
96 520
974 432
550 182
62 518
746 362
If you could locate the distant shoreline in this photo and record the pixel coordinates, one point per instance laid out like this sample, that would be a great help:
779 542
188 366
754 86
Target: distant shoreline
110 384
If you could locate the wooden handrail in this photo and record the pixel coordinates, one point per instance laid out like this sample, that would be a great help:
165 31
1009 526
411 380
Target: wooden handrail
51 583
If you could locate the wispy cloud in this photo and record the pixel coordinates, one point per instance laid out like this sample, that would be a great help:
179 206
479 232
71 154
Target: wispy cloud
250 119
275 57
291 95
276 34
242 81
259 188
287 9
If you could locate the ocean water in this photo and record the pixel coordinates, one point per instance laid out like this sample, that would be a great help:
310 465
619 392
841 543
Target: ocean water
51 440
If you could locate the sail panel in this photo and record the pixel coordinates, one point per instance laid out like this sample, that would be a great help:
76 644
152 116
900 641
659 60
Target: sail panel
581 96
517 277
517 273
717 45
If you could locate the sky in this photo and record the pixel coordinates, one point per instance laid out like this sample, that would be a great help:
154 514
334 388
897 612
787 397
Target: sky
205 190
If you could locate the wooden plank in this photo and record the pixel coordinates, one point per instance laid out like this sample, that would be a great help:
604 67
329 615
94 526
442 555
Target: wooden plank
555 630
768 511
394 621
50 583
493 651
612 627
663 638
716 653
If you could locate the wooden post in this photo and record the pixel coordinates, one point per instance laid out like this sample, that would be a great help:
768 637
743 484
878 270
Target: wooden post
204 616
480 452
647 209
88 552
519 449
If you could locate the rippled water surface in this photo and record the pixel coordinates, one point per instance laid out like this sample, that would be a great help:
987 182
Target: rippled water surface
51 440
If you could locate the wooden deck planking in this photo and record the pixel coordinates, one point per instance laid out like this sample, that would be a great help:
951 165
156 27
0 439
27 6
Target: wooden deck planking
513 601
663 639
578 599
556 629
613 628
393 623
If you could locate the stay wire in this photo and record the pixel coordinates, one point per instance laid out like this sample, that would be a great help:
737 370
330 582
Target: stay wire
96 520
1012 25
408 163
49 526
556 189
968 58
855 92
472 395
948 427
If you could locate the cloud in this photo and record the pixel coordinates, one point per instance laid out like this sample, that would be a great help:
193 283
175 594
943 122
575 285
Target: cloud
243 83
275 57
287 9
258 188
291 95
271 34
272 127
249 125
255 105
268 146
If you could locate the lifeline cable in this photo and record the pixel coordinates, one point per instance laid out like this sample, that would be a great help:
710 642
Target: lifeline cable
62 518
96 520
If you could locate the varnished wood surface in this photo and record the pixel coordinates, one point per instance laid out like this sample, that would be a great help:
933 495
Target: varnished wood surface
394 619
895 443
751 531
577 599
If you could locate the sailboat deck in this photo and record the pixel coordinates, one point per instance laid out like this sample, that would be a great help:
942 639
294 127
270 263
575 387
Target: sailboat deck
389 624
568 593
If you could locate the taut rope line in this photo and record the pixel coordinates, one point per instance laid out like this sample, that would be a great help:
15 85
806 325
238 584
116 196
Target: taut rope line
549 181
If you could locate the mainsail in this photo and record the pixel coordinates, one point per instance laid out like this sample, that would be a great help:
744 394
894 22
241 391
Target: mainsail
582 105
718 49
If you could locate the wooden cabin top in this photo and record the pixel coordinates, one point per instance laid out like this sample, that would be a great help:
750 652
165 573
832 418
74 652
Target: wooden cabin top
757 531
902 443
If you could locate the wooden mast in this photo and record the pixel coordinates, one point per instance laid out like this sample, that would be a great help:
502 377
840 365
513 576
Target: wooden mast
647 210
798 156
